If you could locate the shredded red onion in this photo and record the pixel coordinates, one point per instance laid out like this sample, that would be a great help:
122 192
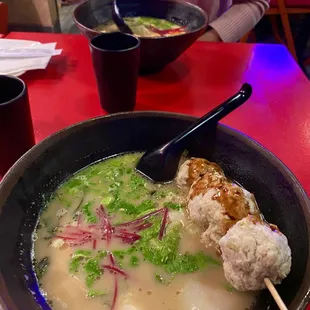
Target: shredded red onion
163 32
163 224
116 269
104 223
128 239
112 260
141 219
127 232
115 292
142 226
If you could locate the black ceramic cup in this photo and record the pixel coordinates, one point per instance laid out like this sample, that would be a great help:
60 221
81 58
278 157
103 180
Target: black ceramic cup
116 64
16 130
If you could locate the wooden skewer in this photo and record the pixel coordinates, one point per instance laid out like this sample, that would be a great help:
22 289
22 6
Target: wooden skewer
273 291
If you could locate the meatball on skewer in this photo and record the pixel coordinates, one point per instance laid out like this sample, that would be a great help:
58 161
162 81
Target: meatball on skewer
217 204
214 202
252 250
194 168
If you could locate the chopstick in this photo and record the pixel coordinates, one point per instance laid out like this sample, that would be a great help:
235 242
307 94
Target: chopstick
273 291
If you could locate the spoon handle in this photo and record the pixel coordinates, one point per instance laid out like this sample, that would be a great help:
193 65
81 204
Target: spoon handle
118 20
217 113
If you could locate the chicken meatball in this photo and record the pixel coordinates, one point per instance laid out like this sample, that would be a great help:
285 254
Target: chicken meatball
217 204
253 250
194 168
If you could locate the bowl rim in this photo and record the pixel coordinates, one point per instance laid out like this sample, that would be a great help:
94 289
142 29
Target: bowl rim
16 171
95 33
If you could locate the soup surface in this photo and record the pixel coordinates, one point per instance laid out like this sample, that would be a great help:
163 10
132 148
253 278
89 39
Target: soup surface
145 27
110 239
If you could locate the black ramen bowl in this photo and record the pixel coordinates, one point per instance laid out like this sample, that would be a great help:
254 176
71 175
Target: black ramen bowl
31 181
156 53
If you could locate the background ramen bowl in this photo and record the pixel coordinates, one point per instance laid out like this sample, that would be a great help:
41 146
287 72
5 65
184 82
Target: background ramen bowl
29 184
156 53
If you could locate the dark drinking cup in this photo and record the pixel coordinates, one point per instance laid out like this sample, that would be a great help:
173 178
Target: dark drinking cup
116 64
16 131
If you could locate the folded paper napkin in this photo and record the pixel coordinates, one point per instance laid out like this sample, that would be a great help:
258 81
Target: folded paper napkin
18 56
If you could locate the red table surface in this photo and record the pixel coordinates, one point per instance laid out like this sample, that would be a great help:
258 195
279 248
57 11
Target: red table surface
277 115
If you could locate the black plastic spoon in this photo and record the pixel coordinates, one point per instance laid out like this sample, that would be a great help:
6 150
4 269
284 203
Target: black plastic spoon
118 20
161 164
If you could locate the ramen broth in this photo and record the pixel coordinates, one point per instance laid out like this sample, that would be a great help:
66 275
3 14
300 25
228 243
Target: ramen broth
145 27
110 239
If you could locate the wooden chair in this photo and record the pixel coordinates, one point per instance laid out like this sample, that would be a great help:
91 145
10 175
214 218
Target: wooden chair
3 18
284 8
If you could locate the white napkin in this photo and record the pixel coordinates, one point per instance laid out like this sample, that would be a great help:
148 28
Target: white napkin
27 52
17 66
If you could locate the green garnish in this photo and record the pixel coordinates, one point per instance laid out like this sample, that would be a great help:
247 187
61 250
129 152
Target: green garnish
137 187
41 267
229 288
114 168
90 265
165 253
93 271
114 188
173 206
92 294
119 205
107 199
122 253
158 23
159 194
119 254
82 253
159 278
75 264
145 205
136 182
89 216
188 263
101 254
162 193
151 232
160 252
134 261
76 185
77 259
130 209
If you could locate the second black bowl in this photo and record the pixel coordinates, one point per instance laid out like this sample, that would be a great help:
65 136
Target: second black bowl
156 53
